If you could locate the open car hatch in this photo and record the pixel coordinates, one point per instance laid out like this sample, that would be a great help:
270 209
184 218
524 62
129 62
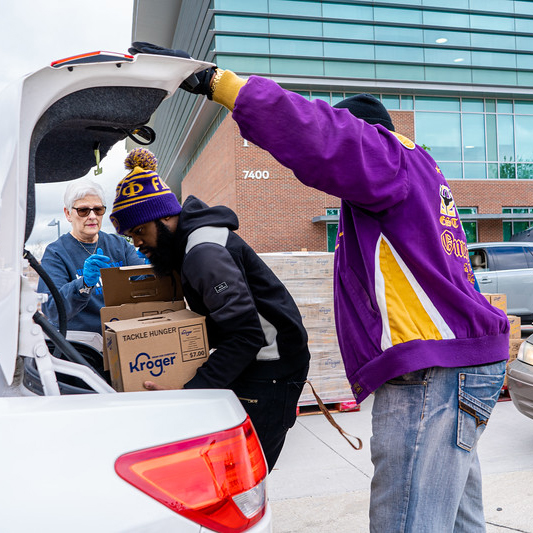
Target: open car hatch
52 122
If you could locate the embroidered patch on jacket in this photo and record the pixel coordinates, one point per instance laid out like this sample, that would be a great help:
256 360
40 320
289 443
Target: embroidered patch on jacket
221 287
408 143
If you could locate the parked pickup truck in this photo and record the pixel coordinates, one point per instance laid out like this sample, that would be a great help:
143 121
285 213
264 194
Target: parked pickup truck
186 461
506 267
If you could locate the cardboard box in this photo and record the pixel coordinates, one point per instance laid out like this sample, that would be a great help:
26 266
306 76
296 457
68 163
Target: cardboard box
135 291
514 346
497 300
516 329
166 349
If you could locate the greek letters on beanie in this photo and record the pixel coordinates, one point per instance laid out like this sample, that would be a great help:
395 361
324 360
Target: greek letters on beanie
368 108
142 196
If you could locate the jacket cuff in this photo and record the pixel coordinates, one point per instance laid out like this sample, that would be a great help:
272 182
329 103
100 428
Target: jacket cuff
227 89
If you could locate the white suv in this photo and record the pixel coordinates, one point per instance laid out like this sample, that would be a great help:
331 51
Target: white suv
186 461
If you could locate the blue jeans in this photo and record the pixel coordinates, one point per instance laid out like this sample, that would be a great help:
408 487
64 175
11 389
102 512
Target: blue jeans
425 429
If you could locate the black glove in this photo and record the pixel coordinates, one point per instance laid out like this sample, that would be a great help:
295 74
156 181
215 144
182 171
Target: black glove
199 83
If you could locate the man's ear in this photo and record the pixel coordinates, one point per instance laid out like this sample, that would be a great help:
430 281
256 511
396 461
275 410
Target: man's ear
67 214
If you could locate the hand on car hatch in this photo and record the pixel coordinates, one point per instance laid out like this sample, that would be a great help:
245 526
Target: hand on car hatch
198 83
150 385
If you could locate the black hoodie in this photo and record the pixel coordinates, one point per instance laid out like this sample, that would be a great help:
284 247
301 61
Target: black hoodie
252 320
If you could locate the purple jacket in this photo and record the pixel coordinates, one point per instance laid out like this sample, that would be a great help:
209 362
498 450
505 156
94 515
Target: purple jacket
404 288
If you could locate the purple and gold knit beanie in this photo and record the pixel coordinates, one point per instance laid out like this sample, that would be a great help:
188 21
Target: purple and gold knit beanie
142 195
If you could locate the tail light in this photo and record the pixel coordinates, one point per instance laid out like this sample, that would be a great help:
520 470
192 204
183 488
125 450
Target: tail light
216 480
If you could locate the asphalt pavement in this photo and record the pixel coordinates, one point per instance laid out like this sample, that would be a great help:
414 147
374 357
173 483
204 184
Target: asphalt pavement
320 483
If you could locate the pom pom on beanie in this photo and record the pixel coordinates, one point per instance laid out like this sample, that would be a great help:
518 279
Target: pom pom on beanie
142 196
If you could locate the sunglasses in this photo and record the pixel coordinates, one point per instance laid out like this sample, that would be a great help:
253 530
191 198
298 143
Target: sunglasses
83 212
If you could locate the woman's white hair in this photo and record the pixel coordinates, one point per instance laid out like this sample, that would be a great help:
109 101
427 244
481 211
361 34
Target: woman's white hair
80 189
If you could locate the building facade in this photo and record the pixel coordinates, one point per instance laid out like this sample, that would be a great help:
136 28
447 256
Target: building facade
456 76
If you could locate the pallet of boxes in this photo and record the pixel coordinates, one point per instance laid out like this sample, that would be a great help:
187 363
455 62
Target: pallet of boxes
308 277
515 334
148 333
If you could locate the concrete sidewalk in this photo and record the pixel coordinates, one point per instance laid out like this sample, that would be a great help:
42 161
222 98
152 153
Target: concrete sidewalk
322 484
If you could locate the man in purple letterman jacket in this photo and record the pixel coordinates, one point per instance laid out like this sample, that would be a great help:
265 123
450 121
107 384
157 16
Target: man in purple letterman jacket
412 328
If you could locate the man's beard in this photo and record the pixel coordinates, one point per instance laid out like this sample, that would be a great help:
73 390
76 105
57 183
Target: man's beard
164 256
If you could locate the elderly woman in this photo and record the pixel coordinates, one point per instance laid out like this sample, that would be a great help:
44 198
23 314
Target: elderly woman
75 259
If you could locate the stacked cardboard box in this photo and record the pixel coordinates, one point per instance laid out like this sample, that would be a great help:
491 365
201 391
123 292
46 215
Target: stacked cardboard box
515 334
148 333
308 276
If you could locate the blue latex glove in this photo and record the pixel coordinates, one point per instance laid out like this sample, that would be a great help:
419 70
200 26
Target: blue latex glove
92 266
142 256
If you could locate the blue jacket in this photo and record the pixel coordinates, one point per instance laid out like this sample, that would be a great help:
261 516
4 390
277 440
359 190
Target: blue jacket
63 261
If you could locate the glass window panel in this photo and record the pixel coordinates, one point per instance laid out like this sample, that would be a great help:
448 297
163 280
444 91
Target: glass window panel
295 47
441 18
492 170
507 171
451 171
490 22
524 43
472 105
402 35
503 6
305 94
524 61
505 138
492 142
448 74
473 137
524 6
524 137
315 95
475 171
348 50
346 12
349 69
301 28
258 65
441 132
507 230
493 59
492 40
520 225
257 6
406 102
399 53
392 14
490 105
444 3
240 24
490 77
523 25
470 229
388 71
340 30
448 38
431 103
523 107
230 43
305 67
524 78
290 7
336 98
447 56
391 101
524 171
504 106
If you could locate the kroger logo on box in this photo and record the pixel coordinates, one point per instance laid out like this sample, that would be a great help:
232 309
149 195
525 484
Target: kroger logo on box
166 349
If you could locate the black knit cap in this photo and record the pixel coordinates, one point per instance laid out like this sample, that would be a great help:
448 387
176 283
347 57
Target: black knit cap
369 108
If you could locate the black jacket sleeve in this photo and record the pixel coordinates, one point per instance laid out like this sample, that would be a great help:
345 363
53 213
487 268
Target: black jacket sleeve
215 286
